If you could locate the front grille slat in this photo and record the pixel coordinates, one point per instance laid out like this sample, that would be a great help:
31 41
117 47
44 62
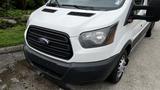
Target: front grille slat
53 39
49 33
55 53
46 46
50 46
59 43
65 46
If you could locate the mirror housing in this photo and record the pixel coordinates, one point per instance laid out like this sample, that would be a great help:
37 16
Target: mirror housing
152 11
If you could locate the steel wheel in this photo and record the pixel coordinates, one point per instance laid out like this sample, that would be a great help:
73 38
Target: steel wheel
117 73
122 66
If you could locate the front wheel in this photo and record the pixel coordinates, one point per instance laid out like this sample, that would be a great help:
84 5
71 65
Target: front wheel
117 73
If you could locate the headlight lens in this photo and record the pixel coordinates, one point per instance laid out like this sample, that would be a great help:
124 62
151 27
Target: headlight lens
98 38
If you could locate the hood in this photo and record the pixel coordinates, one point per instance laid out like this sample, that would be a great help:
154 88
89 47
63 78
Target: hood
73 21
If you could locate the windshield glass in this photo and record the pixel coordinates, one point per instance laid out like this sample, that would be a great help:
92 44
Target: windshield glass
88 4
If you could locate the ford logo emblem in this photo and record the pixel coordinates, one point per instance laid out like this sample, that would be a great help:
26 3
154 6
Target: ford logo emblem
44 41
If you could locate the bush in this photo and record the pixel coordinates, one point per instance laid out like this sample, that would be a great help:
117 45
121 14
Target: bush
2 12
29 4
21 16
7 4
20 4
5 24
17 13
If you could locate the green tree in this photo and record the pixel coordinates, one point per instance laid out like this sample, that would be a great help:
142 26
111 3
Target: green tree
5 5
20 4
29 4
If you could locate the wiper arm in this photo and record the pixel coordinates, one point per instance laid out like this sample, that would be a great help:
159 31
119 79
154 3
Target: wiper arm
70 6
79 7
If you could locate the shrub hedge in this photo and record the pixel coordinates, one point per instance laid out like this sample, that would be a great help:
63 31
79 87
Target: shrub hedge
21 4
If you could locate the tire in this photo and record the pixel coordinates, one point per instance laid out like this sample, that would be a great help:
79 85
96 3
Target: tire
149 32
117 73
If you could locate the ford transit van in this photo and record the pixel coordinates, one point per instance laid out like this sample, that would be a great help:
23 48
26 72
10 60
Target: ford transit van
83 41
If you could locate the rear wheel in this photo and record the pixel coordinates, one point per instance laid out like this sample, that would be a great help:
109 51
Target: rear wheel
117 73
149 32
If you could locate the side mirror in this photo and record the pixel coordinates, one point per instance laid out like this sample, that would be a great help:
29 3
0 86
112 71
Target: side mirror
152 11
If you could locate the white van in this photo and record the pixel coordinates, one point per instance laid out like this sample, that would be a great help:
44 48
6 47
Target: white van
83 41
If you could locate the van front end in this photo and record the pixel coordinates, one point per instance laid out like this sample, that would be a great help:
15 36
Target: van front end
85 41
62 57
73 73
77 45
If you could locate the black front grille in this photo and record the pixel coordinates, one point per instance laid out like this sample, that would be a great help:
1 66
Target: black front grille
58 42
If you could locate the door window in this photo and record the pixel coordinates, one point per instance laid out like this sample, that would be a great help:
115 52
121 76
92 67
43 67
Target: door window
135 12
139 2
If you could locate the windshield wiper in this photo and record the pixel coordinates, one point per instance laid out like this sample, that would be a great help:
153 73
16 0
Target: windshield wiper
70 6
78 7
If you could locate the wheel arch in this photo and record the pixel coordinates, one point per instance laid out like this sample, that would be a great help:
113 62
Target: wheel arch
128 47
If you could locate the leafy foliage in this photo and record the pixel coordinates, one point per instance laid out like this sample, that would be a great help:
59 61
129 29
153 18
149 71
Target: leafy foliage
14 17
17 13
21 4
7 4
28 4
4 24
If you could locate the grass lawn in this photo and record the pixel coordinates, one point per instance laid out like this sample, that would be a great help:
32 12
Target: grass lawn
12 36
15 13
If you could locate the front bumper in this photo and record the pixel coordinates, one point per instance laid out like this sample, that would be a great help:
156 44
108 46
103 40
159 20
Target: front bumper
73 73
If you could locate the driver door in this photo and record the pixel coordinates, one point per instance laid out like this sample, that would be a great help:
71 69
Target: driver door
137 26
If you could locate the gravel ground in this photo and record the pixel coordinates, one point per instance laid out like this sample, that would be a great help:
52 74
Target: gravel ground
142 73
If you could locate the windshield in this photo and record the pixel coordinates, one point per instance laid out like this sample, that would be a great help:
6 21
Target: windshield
88 4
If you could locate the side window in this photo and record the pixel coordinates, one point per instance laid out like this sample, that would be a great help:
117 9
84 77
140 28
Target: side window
135 12
139 2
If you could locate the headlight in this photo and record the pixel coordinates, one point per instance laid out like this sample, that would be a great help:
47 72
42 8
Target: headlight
98 38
